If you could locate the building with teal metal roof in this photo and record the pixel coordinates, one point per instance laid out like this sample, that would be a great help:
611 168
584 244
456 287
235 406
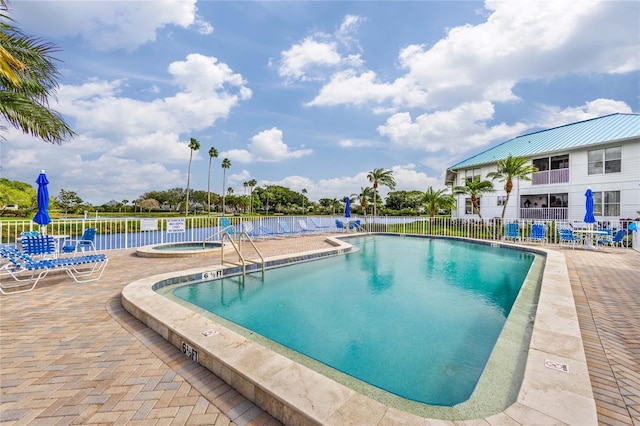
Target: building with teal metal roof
601 153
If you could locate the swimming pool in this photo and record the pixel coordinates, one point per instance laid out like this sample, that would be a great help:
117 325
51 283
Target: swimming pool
416 317
518 380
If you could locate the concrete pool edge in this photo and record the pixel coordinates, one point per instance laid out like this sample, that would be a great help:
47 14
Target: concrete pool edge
296 394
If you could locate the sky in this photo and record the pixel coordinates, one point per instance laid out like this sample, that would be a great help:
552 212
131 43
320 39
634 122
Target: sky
312 95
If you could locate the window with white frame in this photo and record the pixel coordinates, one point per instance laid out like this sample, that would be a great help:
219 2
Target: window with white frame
502 200
471 174
468 206
605 160
606 203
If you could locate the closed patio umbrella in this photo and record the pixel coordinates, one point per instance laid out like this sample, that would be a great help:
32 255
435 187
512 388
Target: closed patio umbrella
589 207
42 215
347 207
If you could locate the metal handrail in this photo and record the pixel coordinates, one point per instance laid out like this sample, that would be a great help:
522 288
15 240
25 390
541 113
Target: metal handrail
220 231
243 261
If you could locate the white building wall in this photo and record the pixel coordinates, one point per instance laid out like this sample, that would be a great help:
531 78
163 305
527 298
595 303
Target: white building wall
627 182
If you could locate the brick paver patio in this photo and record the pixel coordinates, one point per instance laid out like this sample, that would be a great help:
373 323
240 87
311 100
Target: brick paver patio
70 354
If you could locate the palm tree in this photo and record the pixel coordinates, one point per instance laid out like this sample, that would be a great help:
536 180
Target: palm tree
194 145
125 202
212 153
304 194
380 177
509 169
364 197
474 188
27 81
226 163
435 200
252 186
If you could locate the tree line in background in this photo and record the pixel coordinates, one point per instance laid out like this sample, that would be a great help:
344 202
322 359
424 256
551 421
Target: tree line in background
275 199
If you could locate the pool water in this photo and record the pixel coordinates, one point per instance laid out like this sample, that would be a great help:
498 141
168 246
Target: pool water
417 317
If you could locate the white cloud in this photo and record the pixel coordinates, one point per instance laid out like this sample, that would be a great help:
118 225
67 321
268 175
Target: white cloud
527 40
459 129
209 90
301 57
109 24
313 56
553 116
357 143
266 146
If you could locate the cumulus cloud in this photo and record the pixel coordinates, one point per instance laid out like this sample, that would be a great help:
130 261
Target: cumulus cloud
110 24
551 116
310 58
459 129
207 91
266 146
519 41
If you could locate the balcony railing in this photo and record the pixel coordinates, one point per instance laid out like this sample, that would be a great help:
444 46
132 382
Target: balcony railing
551 176
552 213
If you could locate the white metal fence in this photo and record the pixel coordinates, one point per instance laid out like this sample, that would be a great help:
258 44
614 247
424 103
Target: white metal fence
131 232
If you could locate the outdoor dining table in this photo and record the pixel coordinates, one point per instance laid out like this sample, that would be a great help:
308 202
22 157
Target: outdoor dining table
590 237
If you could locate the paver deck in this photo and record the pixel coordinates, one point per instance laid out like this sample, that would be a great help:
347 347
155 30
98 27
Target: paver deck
70 354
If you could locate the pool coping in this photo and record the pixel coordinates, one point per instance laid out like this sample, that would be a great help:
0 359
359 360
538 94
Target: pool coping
152 251
295 394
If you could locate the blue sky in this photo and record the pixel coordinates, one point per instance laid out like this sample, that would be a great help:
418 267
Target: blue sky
313 94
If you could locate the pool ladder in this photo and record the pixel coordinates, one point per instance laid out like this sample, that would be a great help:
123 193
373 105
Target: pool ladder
242 261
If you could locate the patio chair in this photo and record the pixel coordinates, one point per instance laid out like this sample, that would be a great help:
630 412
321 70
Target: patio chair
85 243
248 228
340 226
512 231
354 224
538 233
226 225
319 226
304 228
41 246
618 238
266 232
605 238
286 229
28 271
566 236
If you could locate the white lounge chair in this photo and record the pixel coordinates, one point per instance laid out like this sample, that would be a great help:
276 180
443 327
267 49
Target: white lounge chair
28 271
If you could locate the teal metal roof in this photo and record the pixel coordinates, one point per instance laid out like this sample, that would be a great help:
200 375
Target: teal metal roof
608 128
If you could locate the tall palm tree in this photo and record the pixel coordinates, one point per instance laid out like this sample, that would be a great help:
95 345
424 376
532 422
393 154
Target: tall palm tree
27 81
509 169
194 145
252 186
226 163
474 188
304 194
213 153
380 177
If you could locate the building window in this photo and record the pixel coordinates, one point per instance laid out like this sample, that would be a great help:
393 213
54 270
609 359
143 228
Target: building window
559 200
502 200
468 206
606 203
607 160
470 175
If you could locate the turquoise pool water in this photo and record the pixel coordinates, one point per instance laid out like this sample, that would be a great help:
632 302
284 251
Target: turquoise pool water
416 317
